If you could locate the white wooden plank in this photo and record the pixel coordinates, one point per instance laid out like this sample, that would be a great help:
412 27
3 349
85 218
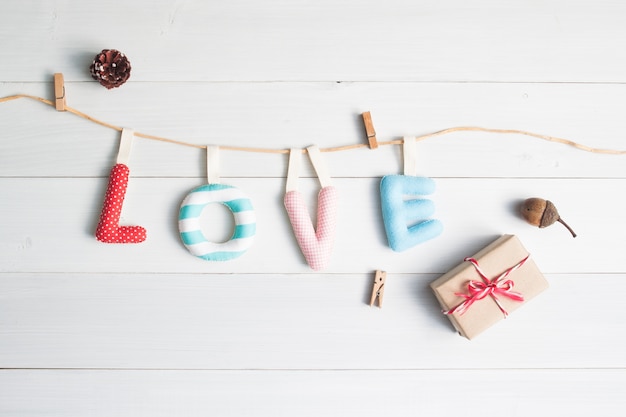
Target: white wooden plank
48 225
148 330
432 40
285 321
391 393
39 141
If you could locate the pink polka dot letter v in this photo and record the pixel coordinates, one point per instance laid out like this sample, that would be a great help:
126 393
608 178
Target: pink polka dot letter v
109 230
316 243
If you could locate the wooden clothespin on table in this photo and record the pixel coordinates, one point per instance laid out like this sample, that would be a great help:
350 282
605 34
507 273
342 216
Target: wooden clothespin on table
378 290
369 130
59 92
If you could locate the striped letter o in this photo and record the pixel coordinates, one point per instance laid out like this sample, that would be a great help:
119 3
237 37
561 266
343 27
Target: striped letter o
190 229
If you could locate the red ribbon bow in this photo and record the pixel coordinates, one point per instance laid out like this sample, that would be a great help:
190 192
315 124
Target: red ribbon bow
498 286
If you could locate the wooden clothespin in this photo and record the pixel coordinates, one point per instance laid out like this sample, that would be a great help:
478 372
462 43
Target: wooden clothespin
59 92
369 130
378 290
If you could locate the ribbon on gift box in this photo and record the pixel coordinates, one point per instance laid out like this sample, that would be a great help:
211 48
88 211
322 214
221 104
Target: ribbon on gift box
498 286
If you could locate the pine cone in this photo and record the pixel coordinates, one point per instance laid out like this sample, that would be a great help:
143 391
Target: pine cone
110 68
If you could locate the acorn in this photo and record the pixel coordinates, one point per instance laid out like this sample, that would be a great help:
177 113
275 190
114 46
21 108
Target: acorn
542 213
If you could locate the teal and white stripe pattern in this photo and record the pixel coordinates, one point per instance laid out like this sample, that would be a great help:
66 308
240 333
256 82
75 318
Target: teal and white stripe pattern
190 229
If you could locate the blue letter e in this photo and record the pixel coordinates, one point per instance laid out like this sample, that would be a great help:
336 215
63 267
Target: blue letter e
404 219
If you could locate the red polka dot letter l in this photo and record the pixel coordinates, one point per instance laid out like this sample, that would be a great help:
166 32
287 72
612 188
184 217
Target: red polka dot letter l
109 229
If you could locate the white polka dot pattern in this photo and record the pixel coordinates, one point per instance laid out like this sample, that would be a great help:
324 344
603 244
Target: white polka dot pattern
109 230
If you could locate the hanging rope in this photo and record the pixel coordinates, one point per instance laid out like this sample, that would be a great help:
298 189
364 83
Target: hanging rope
331 149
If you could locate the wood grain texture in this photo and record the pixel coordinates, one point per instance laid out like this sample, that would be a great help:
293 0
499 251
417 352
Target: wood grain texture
474 212
286 115
287 321
277 40
311 393
93 329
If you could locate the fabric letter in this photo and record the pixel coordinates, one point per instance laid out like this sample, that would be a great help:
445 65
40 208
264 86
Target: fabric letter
405 219
109 230
316 245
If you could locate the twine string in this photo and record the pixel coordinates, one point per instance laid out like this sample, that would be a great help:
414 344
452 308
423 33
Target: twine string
330 149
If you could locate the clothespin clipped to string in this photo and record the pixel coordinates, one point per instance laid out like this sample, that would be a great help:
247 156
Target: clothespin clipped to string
378 289
369 130
59 92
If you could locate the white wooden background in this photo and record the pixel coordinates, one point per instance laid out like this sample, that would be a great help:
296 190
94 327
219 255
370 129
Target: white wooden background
88 329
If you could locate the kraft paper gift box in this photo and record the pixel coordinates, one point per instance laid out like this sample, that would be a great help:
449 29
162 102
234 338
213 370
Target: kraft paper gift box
474 302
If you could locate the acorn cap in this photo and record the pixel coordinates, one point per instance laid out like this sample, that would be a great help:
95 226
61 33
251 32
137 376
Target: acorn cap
550 215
